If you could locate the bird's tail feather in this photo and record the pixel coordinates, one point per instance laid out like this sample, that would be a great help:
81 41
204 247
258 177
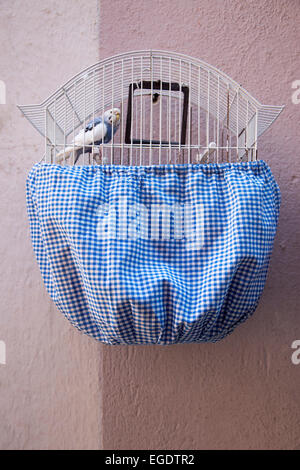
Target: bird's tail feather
64 154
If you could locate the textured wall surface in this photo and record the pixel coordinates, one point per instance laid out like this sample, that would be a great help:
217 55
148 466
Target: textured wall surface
244 391
49 388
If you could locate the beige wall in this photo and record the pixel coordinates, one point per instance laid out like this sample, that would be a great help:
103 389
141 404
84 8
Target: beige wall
49 388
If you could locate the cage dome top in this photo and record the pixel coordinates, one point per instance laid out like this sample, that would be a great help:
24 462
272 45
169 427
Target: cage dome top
105 84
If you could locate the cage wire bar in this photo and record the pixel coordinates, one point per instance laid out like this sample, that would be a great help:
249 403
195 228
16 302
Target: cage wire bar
174 109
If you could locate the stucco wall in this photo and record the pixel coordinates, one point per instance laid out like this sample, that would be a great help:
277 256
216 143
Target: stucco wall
244 391
49 387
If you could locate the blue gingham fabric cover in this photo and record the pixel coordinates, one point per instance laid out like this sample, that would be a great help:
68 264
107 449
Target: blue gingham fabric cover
170 287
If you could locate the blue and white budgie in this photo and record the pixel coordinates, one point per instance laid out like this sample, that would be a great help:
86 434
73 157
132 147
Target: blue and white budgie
95 133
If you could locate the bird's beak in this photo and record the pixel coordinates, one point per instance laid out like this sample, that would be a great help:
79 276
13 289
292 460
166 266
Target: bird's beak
118 116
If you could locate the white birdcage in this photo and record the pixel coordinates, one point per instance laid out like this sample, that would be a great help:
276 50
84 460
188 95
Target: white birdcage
173 109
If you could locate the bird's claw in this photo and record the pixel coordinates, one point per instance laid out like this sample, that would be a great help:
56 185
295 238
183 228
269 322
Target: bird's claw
97 156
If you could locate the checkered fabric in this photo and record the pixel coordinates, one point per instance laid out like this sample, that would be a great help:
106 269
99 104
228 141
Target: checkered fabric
162 254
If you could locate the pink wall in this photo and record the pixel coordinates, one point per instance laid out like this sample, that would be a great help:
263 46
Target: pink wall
60 389
244 391
49 388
